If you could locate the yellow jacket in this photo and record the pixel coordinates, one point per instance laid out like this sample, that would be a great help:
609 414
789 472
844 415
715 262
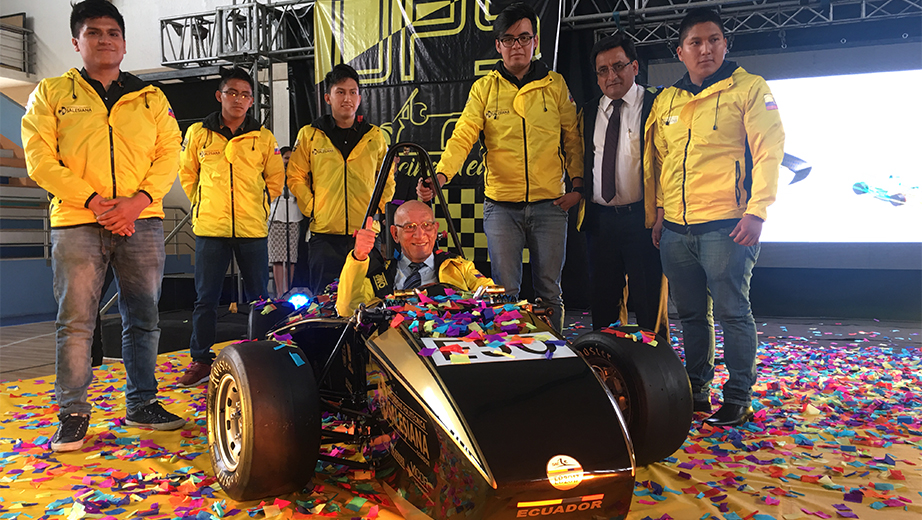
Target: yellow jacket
231 183
333 191
75 147
370 281
702 144
522 130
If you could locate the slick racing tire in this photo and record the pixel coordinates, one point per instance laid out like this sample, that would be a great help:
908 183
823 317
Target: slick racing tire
263 420
650 385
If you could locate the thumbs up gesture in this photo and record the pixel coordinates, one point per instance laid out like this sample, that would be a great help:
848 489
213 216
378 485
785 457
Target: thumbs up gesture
364 240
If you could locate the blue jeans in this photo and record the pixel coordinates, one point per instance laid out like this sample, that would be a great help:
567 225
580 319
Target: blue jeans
80 256
709 277
542 227
212 258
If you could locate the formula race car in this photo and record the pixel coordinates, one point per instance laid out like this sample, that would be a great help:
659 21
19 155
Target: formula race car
463 405
897 199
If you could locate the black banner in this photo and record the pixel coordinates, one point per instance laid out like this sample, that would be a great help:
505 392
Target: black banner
417 67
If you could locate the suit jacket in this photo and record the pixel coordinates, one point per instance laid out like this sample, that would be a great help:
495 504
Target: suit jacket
589 112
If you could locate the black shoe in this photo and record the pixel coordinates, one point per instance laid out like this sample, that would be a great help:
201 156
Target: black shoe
702 405
730 415
71 432
152 415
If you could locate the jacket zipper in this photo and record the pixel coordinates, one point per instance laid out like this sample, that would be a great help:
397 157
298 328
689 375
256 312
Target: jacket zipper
525 146
233 218
346 187
198 203
684 178
112 161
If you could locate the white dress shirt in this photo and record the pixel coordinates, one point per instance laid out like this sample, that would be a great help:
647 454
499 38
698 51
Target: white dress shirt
628 170
427 274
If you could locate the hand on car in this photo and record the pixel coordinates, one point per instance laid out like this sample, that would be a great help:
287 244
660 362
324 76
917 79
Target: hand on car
424 189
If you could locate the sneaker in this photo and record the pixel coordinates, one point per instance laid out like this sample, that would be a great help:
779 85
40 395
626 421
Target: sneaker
152 415
196 374
71 432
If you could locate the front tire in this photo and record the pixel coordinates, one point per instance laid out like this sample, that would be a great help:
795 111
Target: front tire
263 420
651 387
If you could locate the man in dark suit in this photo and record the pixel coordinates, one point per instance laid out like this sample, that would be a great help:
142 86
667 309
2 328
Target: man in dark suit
620 193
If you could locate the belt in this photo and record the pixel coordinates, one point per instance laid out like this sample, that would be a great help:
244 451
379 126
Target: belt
627 208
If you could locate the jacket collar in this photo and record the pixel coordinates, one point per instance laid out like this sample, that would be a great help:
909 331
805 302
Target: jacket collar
327 124
537 70
214 123
127 81
725 71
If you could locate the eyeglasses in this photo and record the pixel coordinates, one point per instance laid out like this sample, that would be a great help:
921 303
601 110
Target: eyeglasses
617 68
246 96
411 227
509 41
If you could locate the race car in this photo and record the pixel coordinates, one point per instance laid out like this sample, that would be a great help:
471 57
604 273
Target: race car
879 193
463 405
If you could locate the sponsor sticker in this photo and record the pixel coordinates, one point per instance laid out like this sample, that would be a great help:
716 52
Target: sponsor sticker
564 472
531 346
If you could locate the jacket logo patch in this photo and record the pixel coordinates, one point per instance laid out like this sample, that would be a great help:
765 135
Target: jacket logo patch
74 109
492 114
671 120
379 281
770 102
317 151
205 153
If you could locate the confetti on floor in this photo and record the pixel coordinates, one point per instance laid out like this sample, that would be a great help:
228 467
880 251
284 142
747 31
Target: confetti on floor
837 434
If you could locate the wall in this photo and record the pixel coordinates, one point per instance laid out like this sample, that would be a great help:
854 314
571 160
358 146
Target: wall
821 62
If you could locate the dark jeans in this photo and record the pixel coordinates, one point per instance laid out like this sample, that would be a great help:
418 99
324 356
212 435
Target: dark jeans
618 244
212 257
709 278
326 255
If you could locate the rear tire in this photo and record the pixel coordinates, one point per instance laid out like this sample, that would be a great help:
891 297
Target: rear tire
263 420
651 387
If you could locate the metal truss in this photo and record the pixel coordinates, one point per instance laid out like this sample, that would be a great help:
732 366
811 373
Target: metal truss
235 33
652 22
252 35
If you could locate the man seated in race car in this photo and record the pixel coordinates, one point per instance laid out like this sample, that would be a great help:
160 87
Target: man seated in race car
365 279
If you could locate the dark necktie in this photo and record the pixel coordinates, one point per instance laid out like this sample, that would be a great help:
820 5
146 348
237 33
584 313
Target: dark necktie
415 279
610 155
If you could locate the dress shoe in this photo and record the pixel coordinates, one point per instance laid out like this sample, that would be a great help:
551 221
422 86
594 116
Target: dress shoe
702 405
730 415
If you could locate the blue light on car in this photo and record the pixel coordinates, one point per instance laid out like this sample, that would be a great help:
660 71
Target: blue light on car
298 300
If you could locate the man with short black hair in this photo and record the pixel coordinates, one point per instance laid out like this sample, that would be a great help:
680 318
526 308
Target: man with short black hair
332 173
365 278
523 111
718 143
231 169
620 193
106 146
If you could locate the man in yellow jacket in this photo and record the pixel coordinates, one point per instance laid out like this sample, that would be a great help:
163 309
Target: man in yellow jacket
106 146
366 279
523 111
231 169
332 173
718 144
